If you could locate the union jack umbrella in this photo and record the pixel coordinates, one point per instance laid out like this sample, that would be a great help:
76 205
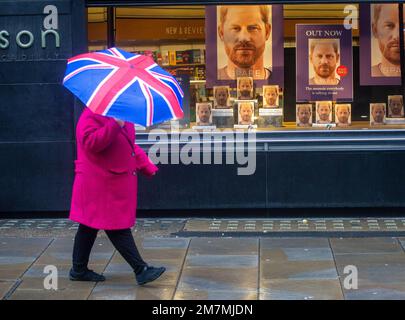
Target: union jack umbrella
126 86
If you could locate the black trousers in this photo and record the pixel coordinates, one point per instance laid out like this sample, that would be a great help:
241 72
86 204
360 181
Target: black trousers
122 240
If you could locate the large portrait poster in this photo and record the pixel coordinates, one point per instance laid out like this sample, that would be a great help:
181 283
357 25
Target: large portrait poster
379 44
324 63
244 41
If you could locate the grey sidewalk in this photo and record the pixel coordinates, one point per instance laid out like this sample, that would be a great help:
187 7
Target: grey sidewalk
215 267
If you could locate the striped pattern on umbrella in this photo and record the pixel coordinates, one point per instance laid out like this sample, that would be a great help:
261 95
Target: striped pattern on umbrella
127 86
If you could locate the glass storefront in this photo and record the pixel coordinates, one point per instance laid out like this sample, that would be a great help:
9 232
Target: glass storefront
270 67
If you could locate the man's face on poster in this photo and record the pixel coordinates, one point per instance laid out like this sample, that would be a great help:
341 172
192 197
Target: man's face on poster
304 114
396 105
378 113
343 114
204 113
246 112
271 94
324 110
324 60
221 96
244 34
245 87
386 30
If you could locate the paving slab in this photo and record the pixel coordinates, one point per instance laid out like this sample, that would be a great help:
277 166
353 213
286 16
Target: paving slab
119 291
118 264
220 246
121 283
23 245
369 290
365 245
199 294
298 270
402 242
35 276
220 268
307 243
5 287
60 252
283 289
162 248
222 261
43 294
213 279
123 274
13 271
296 254
385 262
16 255
379 273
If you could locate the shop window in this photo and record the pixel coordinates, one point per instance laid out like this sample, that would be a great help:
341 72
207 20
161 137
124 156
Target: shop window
97 28
272 67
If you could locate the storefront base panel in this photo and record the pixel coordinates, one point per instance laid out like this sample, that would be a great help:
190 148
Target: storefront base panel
41 179
36 177
282 180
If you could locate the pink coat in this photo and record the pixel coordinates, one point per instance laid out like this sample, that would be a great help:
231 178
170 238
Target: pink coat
105 186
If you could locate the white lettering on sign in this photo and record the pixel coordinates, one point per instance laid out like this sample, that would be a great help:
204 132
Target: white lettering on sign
333 33
185 30
25 38
4 43
323 33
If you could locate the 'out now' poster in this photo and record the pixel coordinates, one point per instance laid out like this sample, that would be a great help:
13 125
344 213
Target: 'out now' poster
324 61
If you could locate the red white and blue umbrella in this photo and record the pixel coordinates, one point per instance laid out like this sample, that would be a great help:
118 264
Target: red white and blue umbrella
126 86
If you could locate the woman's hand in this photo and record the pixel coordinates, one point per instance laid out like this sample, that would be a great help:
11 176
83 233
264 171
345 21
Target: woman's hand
120 122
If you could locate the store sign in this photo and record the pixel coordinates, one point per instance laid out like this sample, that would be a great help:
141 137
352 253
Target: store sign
185 30
162 29
27 37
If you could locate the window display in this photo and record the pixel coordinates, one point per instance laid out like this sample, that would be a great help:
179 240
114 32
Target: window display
304 115
377 114
270 97
204 114
396 107
245 88
274 67
324 112
324 63
379 44
343 115
244 41
221 97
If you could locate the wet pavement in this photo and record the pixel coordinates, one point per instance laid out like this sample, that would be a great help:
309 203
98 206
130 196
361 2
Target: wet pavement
248 265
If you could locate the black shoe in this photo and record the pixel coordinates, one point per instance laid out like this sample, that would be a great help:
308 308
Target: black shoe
149 274
86 275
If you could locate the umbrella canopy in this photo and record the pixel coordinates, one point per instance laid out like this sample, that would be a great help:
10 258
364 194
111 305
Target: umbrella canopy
126 86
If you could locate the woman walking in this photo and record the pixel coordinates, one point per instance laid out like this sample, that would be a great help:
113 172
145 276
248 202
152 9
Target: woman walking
104 193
